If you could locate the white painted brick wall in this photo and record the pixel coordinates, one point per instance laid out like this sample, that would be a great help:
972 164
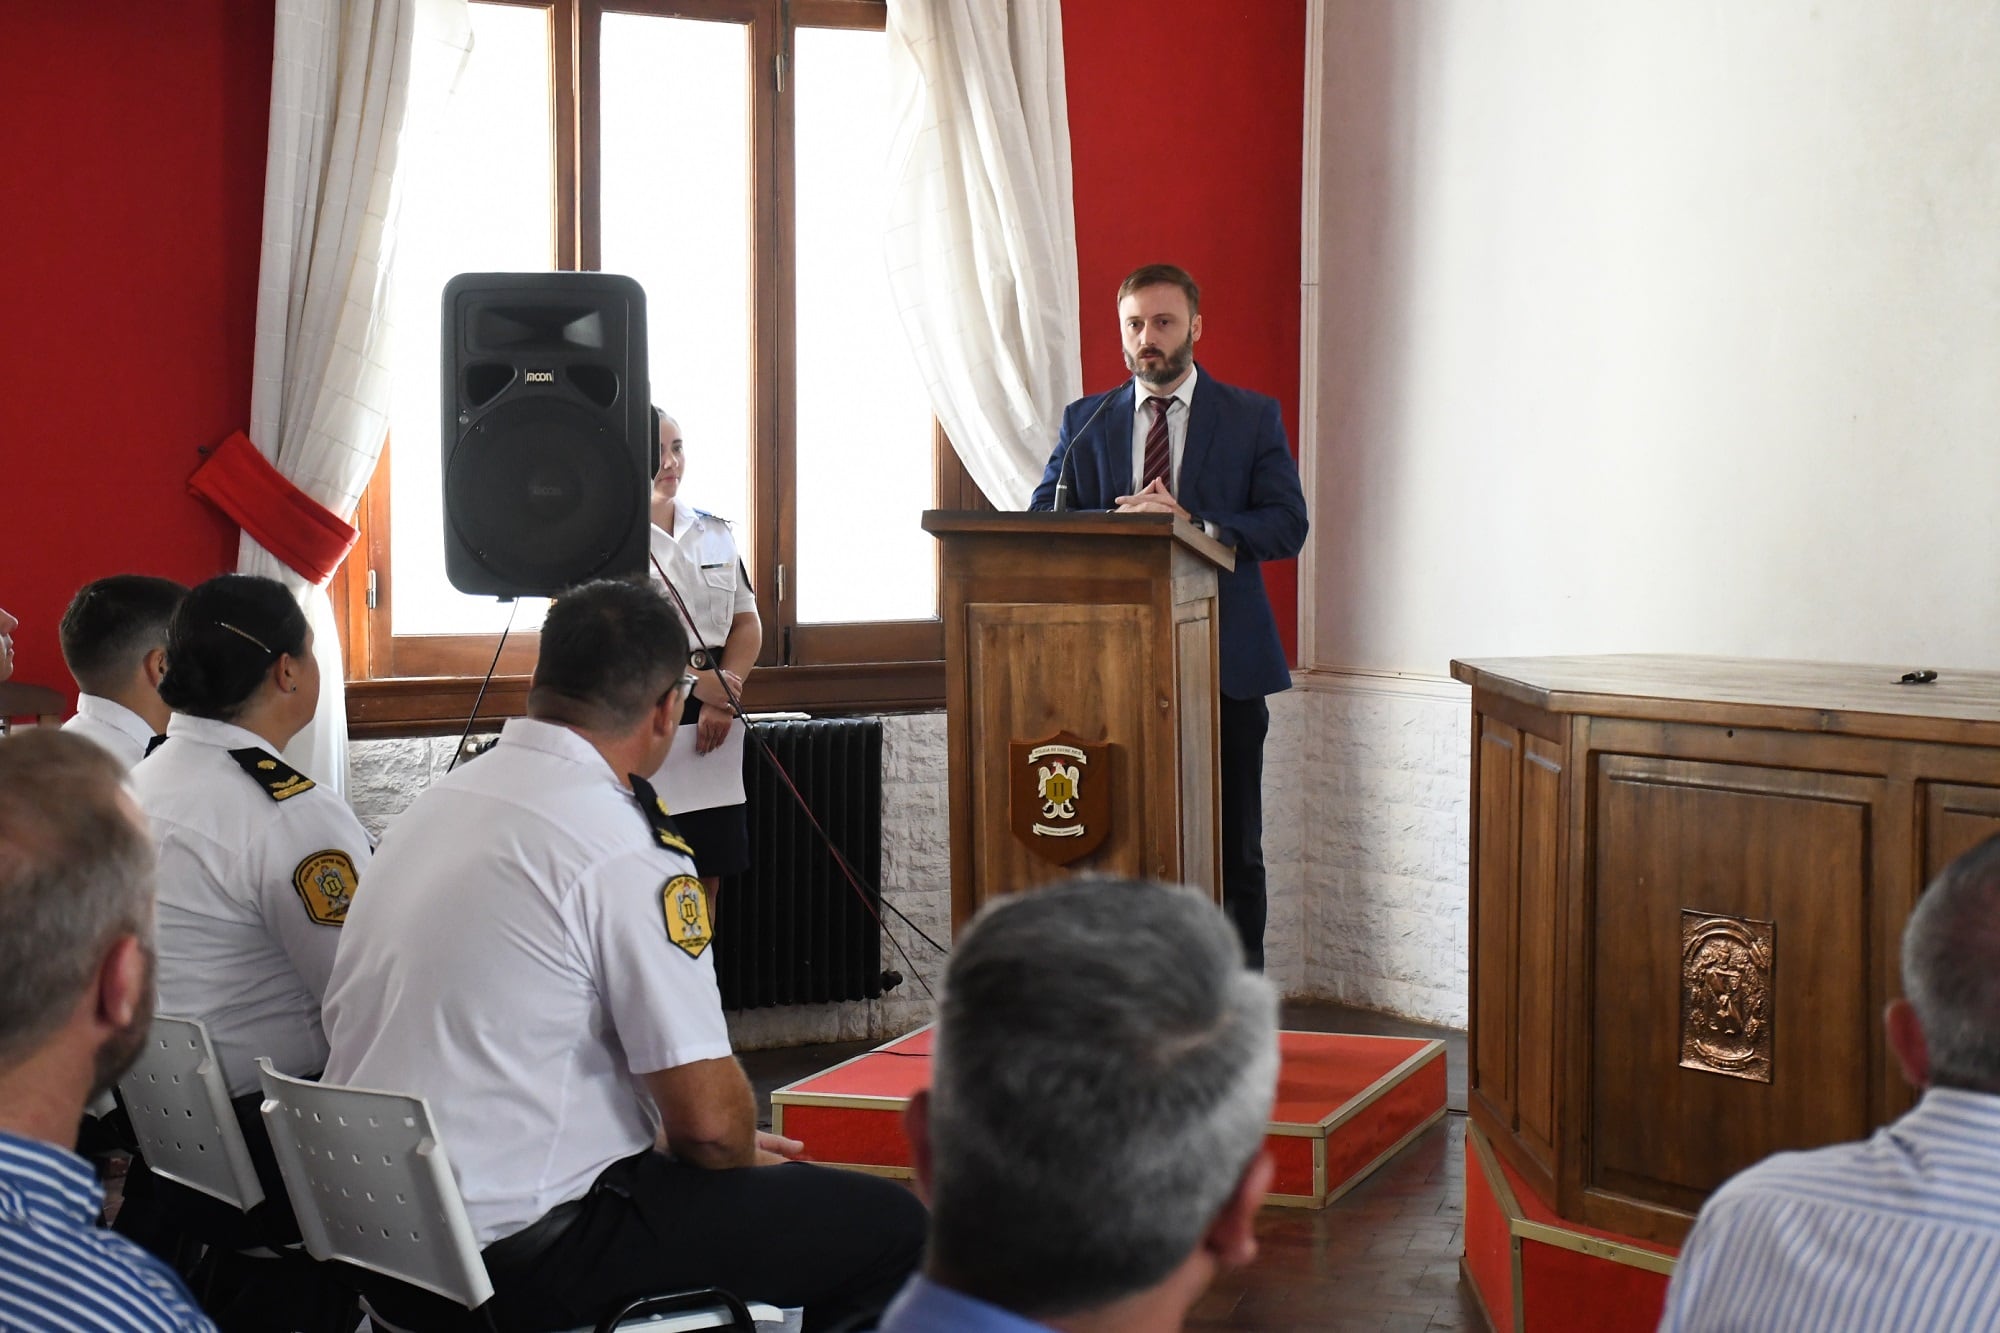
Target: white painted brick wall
383 777
1366 824
1287 838
1388 779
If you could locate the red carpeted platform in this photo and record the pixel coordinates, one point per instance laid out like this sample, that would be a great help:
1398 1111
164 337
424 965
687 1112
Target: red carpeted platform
1345 1105
1531 1269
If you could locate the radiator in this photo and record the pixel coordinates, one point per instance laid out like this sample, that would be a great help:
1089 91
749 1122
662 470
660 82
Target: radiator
791 930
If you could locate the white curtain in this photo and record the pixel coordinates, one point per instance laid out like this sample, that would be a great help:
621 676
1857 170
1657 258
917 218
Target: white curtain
349 78
982 228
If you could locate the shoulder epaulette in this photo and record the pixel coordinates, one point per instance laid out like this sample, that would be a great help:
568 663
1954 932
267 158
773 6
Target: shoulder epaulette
657 819
280 781
717 517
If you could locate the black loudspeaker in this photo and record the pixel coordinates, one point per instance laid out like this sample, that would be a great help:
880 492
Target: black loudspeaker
547 416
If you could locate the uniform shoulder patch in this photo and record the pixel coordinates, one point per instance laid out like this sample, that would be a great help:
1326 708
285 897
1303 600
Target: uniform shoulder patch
684 904
326 882
280 781
665 833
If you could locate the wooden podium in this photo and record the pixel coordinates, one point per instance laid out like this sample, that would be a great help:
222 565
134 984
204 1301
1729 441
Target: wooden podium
1064 633
1689 883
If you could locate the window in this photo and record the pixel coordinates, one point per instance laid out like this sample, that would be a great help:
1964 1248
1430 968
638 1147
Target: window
730 155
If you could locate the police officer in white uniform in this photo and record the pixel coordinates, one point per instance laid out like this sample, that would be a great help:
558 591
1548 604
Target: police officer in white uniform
257 868
114 641
533 957
257 863
697 553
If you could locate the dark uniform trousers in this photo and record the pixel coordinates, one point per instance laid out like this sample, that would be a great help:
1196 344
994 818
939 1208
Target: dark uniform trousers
838 1243
1243 725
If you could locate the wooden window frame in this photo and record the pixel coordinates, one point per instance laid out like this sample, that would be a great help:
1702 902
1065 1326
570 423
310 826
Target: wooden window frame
403 685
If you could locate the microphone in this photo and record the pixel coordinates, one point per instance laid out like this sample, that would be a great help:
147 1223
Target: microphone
1061 504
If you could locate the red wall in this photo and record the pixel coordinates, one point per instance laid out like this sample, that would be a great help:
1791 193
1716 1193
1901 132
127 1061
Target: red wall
1212 96
134 180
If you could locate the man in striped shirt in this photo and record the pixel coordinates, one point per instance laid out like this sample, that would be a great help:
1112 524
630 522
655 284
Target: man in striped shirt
1900 1231
76 1000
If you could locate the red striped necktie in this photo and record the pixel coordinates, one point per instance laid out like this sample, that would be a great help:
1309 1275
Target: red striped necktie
1159 452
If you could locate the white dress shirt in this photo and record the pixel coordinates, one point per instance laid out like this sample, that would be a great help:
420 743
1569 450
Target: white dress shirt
113 726
252 890
701 561
512 963
1181 402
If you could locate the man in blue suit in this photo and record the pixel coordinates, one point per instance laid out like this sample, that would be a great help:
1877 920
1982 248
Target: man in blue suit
1175 441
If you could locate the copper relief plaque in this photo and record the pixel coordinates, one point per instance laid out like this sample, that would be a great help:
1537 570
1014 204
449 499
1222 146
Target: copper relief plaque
1726 995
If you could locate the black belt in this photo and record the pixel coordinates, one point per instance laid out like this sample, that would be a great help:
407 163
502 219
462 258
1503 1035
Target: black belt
537 1238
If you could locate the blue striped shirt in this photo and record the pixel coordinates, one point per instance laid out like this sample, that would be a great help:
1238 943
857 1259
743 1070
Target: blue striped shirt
60 1272
1899 1231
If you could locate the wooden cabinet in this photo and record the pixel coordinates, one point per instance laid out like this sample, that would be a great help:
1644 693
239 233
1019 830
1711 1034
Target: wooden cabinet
1689 878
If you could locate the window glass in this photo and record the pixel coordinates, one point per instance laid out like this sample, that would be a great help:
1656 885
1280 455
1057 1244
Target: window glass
864 419
676 215
479 198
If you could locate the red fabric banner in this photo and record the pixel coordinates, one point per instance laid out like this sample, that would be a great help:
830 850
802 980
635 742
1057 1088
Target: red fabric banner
311 539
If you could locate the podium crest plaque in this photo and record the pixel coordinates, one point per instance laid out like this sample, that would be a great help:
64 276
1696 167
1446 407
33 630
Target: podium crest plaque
1059 795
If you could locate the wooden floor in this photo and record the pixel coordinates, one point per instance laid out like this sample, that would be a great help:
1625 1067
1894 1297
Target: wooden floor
1385 1257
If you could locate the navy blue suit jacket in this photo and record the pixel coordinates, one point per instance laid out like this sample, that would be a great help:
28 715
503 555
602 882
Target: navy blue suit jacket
1236 473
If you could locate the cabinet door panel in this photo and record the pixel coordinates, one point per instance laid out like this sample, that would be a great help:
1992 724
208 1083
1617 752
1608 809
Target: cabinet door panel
1694 862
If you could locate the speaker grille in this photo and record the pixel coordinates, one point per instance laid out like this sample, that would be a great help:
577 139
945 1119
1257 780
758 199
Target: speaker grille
541 495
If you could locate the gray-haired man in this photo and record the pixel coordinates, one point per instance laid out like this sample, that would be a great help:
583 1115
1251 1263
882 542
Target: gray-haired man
1901 1230
1092 1141
76 998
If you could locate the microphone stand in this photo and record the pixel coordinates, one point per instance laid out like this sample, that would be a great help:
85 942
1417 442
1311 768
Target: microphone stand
1061 503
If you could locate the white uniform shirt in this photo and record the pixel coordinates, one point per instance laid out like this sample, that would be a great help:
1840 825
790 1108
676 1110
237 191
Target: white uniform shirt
1182 403
511 963
252 893
113 726
702 563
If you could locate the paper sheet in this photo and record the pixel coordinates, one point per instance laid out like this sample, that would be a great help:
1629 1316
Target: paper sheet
690 781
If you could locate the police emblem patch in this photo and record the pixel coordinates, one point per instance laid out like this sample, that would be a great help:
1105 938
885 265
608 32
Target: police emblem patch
326 882
685 907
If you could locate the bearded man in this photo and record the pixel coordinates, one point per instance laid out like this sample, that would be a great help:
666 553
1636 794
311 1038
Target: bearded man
1177 441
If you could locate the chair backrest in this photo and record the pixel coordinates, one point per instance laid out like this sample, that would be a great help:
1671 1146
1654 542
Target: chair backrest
19 699
371 1184
180 1111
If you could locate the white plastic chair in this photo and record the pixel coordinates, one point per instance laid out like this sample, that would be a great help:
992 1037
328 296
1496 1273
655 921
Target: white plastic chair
372 1186
180 1112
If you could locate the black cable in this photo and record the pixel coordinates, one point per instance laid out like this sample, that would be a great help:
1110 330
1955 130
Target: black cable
477 699
870 898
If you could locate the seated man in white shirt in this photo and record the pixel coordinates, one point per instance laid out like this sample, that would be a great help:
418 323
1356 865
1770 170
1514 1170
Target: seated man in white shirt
533 956
1900 1230
1093 1138
114 640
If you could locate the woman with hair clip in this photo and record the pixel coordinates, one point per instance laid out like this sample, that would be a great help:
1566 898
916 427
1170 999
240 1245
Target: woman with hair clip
257 863
695 553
